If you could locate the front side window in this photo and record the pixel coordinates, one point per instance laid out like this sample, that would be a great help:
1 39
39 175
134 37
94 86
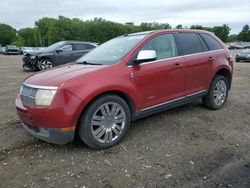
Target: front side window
190 43
66 48
211 42
164 46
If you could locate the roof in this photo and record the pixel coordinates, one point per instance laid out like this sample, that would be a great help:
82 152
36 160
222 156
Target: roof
168 30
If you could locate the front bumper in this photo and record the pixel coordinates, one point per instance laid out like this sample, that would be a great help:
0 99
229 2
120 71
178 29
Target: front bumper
55 123
52 135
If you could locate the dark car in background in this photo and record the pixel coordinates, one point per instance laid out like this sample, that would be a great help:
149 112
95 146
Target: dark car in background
243 56
57 54
11 49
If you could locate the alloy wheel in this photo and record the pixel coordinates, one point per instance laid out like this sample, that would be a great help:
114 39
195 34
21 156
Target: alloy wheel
220 92
108 122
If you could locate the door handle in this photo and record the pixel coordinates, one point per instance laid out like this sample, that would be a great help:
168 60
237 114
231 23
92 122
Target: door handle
177 65
211 58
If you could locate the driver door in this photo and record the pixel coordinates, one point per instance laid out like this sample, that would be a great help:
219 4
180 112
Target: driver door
161 80
64 54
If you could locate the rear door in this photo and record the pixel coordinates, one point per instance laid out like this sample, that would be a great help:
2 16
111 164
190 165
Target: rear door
161 80
80 49
197 61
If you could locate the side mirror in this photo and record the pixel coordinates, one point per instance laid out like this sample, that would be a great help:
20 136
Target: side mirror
145 56
59 50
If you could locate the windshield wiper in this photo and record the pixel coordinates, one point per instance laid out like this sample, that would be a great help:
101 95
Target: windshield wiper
88 63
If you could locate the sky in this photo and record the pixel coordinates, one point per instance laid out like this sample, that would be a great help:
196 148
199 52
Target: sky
235 13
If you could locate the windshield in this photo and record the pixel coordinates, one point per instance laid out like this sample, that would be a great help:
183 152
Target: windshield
54 46
11 46
112 51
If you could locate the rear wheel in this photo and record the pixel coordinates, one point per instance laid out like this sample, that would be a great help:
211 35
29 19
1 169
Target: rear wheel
45 64
105 122
217 94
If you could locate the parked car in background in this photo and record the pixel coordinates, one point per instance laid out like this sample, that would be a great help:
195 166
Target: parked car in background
124 79
11 49
23 50
3 50
243 56
57 54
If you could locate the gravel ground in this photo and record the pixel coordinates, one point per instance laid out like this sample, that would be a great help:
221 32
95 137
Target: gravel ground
188 146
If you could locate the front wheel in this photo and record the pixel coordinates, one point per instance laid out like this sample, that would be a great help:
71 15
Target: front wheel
45 64
105 122
217 94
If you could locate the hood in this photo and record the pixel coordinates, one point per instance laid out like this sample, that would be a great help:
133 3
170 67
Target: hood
36 52
57 76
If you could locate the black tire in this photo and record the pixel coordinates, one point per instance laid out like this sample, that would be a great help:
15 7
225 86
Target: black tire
209 99
237 60
26 67
44 64
85 128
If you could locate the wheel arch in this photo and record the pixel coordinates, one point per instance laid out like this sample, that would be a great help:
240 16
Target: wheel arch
226 73
119 93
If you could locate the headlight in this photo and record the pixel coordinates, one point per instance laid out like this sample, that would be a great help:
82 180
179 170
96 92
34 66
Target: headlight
33 57
248 55
44 97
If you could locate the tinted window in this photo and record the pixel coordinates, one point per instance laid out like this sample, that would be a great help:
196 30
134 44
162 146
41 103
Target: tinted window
89 46
211 42
66 48
190 43
80 46
164 46
203 44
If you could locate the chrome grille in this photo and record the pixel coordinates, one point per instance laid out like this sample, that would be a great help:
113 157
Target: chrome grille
28 95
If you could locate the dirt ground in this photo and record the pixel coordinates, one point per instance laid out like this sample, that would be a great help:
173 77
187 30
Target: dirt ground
189 146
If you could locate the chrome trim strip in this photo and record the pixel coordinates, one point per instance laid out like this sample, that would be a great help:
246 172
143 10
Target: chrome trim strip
167 102
147 108
196 93
156 61
41 87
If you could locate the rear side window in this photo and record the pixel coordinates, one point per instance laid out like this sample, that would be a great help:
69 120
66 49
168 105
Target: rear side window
211 42
89 46
164 46
80 46
190 43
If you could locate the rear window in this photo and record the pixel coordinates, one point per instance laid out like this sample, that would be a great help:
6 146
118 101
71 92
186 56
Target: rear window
190 43
211 42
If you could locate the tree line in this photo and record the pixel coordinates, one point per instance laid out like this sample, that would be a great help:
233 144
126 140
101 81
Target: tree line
50 30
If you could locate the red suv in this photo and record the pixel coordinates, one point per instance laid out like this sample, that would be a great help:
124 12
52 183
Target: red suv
126 78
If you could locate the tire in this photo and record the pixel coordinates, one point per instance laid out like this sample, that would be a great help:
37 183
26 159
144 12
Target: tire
44 64
99 130
26 67
217 94
237 60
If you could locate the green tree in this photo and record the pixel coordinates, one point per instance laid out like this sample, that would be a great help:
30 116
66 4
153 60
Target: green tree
222 32
27 34
154 26
19 42
179 26
244 35
7 34
232 38
43 26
